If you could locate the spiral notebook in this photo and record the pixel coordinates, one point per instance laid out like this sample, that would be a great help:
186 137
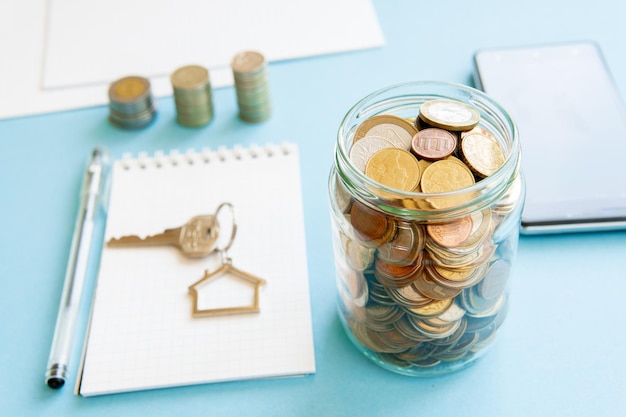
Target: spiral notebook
142 334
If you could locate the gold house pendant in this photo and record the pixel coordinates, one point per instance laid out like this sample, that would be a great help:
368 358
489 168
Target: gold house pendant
227 270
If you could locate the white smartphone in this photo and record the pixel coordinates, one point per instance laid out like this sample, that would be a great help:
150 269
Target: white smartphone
572 129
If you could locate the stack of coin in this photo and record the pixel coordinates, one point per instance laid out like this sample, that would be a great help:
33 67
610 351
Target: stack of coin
192 95
130 102
429 292
252 86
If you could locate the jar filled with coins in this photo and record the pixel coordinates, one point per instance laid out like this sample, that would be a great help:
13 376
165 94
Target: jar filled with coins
426 195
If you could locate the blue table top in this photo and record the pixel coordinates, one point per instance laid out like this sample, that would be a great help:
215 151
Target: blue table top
560 352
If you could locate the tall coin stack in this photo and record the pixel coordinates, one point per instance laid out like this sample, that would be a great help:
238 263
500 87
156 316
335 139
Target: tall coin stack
192 95
130 102
252 86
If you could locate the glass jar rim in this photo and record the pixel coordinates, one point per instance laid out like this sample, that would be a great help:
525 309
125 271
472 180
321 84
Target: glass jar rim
428 89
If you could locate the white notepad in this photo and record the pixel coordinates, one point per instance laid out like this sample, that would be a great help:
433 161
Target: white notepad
142 334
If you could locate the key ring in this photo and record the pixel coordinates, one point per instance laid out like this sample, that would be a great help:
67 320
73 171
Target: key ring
225 259
226 268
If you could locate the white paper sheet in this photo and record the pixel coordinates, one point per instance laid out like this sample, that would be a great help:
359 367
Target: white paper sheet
63 54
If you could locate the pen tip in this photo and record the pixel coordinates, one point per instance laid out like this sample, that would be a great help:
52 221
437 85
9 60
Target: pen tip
55 383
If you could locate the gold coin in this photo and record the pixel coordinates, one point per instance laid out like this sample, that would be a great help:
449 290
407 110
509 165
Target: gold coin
455 159
477 129
425 164
458 277
436 332
443 176
432 309
393 128
129 89
189 77
456 274
247 62
482 154
395 168
449 114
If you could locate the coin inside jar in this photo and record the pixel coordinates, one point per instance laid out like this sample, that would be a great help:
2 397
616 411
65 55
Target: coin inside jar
395 168
482 154
370 224
392 128
444 175
451 234
362 151
449 114
405 245
433 144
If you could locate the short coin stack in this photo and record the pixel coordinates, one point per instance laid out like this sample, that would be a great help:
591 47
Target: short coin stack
130 102
192 95
252 86
415 293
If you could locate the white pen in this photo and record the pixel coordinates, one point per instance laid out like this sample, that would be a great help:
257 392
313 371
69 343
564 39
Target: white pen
75 275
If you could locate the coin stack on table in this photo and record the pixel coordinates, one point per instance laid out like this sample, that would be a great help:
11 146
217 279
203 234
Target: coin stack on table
130 102
418 293
192 95
251 78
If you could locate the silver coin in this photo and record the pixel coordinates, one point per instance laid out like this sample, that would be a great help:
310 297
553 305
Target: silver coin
364 148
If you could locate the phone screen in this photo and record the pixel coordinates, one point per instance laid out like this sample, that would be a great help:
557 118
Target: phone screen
572 129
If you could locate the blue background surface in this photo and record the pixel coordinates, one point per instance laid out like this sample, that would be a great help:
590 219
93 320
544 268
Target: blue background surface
561 351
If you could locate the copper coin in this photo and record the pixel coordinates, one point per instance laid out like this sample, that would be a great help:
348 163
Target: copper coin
433 144
451 234
396 276
369 223
395 271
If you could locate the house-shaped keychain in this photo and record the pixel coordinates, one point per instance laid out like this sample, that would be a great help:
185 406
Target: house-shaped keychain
226 271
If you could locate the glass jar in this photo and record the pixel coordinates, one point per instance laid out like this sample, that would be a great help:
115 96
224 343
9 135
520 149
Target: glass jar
423 278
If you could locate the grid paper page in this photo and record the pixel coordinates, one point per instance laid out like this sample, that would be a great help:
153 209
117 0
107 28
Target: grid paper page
142 334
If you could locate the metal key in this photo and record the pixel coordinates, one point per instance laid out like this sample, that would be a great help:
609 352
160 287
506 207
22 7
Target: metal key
196 239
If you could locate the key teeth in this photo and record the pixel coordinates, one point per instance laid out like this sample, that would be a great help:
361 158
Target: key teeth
124 240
